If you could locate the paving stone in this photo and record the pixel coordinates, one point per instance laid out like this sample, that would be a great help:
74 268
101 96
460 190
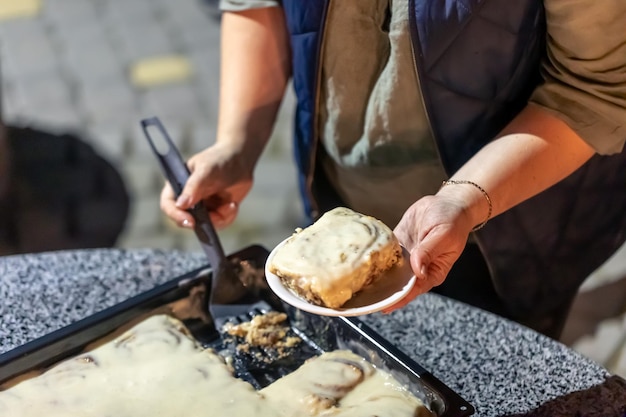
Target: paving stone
8 71
274 175
229 239
280 143
176 129
16 9
143 177
172 100
283 131
22 30
91 60
32 56
205 61
273 236
152 240
264 235
13 104
69 12
208 99
195 33
187 13
263 209
110 140
110 72
11 113
145 215
116 11
48 89
161 69
109 101
140 39
202 136
54 119
81 33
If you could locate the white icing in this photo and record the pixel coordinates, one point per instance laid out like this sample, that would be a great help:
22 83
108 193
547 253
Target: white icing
333 258
157 370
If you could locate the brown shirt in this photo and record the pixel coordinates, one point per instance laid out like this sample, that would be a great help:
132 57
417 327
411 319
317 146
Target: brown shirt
585 70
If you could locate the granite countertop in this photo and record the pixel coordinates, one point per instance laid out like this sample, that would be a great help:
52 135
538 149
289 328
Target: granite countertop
501 368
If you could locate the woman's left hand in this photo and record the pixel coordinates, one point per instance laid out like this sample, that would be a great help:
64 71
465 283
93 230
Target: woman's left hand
434 230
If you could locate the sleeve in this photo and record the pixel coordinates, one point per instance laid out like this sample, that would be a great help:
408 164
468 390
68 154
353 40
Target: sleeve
240 5
584 70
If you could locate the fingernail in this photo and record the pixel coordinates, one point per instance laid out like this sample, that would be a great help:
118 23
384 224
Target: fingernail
184 201
423 271
187 224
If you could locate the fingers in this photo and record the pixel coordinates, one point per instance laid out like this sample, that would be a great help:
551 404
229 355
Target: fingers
168 205
221 216
430 268
419 288
420 260
224 215
431 263
194 191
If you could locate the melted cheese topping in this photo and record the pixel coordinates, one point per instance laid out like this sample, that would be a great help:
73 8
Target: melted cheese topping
337 256
157 370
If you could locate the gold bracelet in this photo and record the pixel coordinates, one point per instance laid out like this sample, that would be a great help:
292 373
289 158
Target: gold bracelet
482 190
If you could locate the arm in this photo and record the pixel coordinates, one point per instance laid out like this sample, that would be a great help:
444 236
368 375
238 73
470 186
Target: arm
578 110
255 68
534 151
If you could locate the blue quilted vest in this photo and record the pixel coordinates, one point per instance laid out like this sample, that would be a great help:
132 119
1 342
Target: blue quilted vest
478 61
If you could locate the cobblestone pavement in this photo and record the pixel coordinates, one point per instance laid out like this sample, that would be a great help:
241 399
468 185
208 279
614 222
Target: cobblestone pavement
97 67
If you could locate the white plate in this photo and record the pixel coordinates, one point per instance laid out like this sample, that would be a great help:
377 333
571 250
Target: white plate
387 291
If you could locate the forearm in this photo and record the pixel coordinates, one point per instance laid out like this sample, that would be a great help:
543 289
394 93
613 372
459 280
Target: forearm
535 151
255 68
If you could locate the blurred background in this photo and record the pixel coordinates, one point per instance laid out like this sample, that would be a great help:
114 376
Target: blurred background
77 76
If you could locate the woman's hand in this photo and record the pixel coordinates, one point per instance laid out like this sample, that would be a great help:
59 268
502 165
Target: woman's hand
435 230
535 151
221 176
252 86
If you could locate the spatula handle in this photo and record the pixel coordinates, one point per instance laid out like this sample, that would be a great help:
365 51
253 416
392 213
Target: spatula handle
177 174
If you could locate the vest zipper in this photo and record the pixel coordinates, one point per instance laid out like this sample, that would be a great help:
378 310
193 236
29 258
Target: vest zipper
315 211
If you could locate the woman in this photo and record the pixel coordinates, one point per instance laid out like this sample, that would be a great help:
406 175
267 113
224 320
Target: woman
395 97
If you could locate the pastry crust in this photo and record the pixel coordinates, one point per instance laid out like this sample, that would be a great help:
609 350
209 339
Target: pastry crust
340 254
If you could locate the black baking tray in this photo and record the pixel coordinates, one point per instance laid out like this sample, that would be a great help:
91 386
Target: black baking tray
186 297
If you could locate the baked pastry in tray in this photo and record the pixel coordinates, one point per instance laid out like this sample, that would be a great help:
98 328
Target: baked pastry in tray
339 255
157 369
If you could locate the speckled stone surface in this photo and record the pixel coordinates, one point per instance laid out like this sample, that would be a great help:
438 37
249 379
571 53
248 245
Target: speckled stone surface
501 368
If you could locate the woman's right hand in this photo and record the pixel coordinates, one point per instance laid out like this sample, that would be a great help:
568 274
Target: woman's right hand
221 176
